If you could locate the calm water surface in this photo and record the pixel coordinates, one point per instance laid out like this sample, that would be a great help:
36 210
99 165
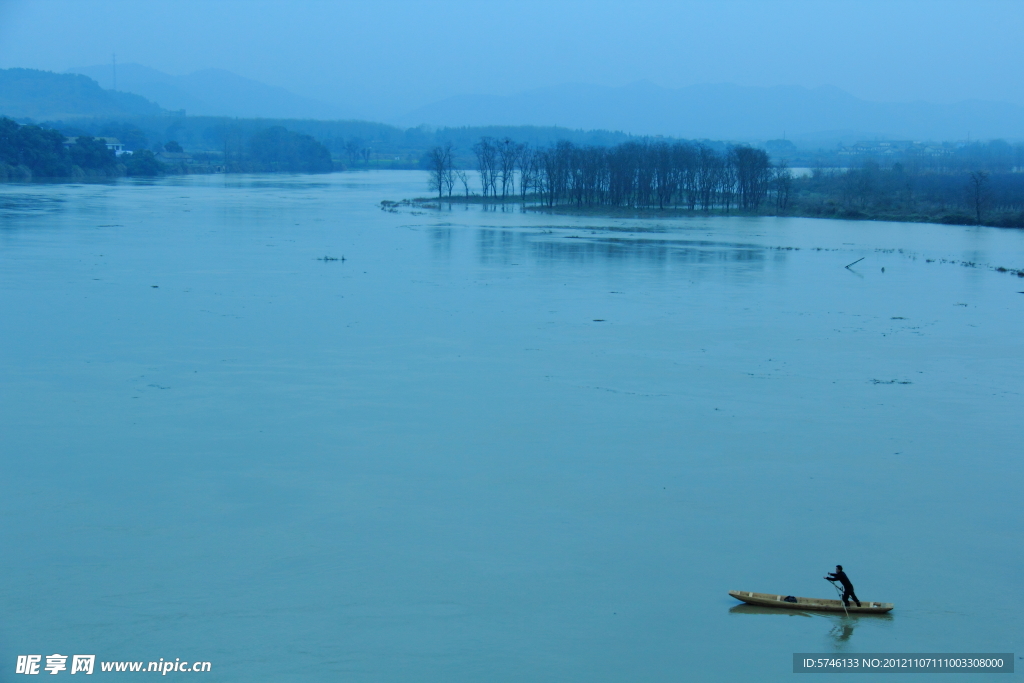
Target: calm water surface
495 446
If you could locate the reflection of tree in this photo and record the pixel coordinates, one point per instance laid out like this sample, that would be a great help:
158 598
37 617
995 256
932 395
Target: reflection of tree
500 246
441 241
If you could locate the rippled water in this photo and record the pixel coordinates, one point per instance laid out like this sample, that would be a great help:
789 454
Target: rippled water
495 446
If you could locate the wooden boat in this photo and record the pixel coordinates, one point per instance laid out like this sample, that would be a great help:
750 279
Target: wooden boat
809 604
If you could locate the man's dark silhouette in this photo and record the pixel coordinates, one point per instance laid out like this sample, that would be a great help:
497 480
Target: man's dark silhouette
842 578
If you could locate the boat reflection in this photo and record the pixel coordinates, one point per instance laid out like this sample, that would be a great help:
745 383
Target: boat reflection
841 626
744 608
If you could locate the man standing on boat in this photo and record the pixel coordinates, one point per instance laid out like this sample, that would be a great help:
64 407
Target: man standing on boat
842 578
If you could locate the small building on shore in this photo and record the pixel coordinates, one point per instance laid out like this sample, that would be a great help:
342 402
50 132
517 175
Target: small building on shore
112 144
174 158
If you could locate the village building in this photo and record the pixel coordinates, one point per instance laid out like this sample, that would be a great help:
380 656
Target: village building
112 144
174 158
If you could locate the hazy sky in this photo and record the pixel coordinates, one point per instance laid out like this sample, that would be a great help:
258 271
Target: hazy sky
385 57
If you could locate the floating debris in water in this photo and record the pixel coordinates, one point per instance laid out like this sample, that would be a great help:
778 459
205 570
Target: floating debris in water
326 258
890 381
855 262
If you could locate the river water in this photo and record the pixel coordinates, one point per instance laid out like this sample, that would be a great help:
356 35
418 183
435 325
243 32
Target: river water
490 445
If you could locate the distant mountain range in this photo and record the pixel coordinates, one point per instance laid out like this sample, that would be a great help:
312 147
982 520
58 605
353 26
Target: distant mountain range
212 92
822 115
726 112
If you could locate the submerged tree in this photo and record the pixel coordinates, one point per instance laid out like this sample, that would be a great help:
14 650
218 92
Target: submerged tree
486 159
508 156
441 170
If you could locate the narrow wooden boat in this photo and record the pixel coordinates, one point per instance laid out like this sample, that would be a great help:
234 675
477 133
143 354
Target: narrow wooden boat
808 604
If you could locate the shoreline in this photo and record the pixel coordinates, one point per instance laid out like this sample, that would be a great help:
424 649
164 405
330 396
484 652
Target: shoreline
534 203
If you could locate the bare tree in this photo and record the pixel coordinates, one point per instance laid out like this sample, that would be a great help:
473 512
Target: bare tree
684 159
782 183
449 174
486 156
752 175
508 156
977 186
464 179
708 164
527 170
441 176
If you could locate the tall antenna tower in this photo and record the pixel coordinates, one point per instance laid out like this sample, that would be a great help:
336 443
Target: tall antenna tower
113 67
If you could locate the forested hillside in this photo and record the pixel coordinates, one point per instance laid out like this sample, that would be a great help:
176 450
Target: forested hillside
37 95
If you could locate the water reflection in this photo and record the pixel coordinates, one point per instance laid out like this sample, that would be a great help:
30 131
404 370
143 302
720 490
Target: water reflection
841 627
296 182
501 246
501 208
24 203
841 632
744 608
429 432
441 242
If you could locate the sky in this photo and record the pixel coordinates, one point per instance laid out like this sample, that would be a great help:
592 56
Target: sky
384 58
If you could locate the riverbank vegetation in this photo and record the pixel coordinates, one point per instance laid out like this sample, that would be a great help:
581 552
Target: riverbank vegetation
29 152
695 178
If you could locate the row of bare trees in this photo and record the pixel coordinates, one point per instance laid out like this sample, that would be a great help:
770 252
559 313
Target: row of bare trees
701 177
659 174
632 174
498 162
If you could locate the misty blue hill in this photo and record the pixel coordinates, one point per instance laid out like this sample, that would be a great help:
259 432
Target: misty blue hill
212 92
34 94
723 111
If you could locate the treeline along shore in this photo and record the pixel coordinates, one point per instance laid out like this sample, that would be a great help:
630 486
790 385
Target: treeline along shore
217 144
31 152
974 184
550 168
